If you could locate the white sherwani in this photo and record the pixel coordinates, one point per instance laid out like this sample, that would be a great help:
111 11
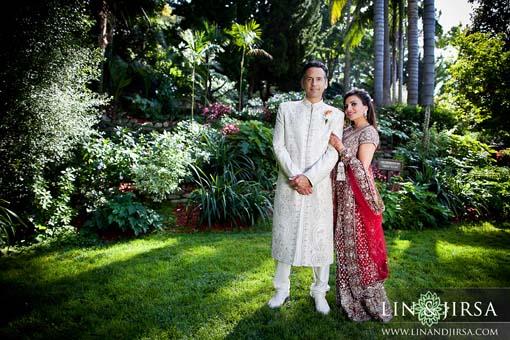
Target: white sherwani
303 224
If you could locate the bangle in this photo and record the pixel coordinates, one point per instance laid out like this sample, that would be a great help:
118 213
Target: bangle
344 154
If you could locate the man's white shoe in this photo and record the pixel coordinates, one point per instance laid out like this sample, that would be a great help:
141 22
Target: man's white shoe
321 304
278 299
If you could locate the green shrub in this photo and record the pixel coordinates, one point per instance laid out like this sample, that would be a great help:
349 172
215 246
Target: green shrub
165 160
483 192
394 131
398 123
407 115
235 184
478 86
53 200
123 213
156 163
105 162
226 199
162 166
412 206
49 107
254 141
191 135
461 171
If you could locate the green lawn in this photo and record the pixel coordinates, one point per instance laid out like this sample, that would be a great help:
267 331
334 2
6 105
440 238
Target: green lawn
216 285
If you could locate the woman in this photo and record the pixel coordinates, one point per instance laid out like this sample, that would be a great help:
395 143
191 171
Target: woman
359 240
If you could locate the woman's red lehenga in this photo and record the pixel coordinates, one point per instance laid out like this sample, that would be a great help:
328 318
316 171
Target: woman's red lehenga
360 247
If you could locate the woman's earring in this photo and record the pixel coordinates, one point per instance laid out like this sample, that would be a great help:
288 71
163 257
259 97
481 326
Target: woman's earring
365 114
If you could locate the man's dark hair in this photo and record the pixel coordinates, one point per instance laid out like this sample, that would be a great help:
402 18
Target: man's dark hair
314 63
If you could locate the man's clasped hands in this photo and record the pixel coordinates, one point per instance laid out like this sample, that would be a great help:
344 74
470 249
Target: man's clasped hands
301 184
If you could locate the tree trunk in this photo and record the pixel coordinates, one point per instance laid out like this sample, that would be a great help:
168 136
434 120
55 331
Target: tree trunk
207 81
387 57
103 39
241 82
104 13
412 59
400 48
378 51
426 133
192 92
347 51
347 69
429 23
394 30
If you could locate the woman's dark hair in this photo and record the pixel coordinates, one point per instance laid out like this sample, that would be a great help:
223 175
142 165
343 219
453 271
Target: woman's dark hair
366 100
314 63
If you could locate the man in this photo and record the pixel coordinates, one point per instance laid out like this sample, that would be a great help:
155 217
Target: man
303 207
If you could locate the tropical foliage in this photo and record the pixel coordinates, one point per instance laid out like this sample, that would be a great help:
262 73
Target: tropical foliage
479 83
121 108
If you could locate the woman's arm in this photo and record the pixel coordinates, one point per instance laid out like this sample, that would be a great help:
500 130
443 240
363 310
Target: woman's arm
365 154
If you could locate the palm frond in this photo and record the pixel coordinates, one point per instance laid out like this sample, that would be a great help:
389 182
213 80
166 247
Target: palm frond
355 34
260 53
247 35
336 9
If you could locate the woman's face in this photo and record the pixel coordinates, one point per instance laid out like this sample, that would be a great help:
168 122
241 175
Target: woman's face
354 107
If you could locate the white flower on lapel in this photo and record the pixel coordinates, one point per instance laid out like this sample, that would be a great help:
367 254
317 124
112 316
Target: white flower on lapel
326 116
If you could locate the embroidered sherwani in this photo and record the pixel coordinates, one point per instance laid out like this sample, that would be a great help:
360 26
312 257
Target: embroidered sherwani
303 224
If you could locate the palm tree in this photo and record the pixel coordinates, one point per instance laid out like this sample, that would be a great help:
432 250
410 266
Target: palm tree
429 23
356 22
105 35
387 56
413 52
341 9
379 50
247 37
197 48
336 9
394 51
400 48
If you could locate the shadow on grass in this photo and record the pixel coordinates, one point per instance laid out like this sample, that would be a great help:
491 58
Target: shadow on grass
216 285
297 319
174 288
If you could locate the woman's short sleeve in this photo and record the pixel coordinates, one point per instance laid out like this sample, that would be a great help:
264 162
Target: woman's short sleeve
369 136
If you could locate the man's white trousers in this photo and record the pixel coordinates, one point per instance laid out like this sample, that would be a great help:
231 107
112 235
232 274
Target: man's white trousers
281 279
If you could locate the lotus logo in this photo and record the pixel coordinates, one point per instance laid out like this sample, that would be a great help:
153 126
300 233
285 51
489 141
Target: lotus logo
429 309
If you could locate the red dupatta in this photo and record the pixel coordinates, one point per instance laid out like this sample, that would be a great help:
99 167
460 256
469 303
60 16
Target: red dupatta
372 224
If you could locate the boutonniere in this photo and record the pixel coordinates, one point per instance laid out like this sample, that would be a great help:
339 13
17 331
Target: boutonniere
326 116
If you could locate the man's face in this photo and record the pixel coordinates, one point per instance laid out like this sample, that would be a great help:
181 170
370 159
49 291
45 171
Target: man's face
314 83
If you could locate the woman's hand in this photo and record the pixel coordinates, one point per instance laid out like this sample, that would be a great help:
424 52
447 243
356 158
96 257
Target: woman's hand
336 142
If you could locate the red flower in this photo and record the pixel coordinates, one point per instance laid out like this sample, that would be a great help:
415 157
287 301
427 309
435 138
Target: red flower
215 111
230 129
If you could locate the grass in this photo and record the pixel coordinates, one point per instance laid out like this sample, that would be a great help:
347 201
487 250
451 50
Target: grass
215 285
